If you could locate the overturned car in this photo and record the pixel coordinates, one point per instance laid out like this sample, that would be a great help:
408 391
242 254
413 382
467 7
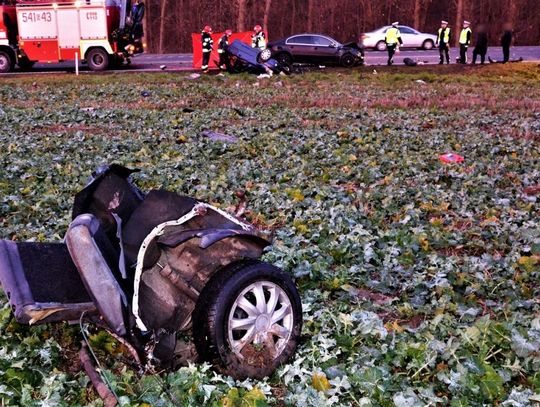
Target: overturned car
150 268
240 57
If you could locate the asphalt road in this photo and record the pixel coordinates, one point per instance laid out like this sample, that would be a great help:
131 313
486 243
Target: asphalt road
183 62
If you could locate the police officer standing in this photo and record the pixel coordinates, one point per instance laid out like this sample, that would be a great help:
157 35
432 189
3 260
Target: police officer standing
392 39
207 46
258 39
222 48
464 41
443 41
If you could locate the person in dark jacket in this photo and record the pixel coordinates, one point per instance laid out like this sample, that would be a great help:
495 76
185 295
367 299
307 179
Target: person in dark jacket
137 16
506 41
222 48
362 48
480 45
207 47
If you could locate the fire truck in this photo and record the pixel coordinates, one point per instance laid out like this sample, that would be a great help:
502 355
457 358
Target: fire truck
94 31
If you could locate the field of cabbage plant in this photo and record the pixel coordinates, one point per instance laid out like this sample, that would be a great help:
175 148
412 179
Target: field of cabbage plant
419 279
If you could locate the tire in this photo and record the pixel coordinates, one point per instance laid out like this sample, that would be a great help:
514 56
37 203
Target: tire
97 59
347 60
264 55
284 58
428 44
380 46
6 62
241 293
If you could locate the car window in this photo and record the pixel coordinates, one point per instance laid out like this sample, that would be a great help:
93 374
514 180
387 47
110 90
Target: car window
300 39
406 30
321 41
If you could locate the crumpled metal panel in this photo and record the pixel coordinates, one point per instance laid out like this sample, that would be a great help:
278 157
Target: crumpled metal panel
164 303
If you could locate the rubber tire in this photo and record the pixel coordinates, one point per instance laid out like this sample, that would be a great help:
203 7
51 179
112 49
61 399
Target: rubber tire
347 60
428 44
6 63
380 46
264 56
211 314
93 59
284 58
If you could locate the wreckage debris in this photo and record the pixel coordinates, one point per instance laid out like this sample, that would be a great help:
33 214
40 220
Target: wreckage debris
212 135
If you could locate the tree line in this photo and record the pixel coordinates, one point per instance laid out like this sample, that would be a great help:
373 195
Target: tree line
169 23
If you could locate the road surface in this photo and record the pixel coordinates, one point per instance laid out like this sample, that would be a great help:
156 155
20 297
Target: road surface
183 62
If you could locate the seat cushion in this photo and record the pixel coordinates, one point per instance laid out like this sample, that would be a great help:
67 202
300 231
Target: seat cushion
42 283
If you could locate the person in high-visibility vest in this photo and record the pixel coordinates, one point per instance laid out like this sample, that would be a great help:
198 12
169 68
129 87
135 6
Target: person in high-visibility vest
443 41
464 41
207 46
393 40
258 39
222 48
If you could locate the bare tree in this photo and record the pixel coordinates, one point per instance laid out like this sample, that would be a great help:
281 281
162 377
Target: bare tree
310 16
459 19
162 20
168 24
267 6
241 22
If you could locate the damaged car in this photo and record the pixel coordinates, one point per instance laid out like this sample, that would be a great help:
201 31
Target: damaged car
151 268
314 49
241 57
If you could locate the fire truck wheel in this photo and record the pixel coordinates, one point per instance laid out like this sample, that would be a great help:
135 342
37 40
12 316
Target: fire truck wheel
97 59
6 63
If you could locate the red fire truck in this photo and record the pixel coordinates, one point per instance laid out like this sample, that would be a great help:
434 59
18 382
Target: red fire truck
94 31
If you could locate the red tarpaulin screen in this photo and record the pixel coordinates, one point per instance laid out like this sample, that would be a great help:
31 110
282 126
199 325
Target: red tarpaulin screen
214 58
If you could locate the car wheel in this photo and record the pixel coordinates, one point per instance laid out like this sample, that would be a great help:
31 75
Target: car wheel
6 63
428 44
97 59
381 46
248 319
264 55
347 60
284 58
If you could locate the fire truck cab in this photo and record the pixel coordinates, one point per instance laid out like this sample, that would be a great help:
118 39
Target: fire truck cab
50 31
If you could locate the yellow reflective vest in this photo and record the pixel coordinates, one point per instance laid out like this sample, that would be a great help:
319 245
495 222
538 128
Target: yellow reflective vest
446 37
258 40
392 36
464 37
